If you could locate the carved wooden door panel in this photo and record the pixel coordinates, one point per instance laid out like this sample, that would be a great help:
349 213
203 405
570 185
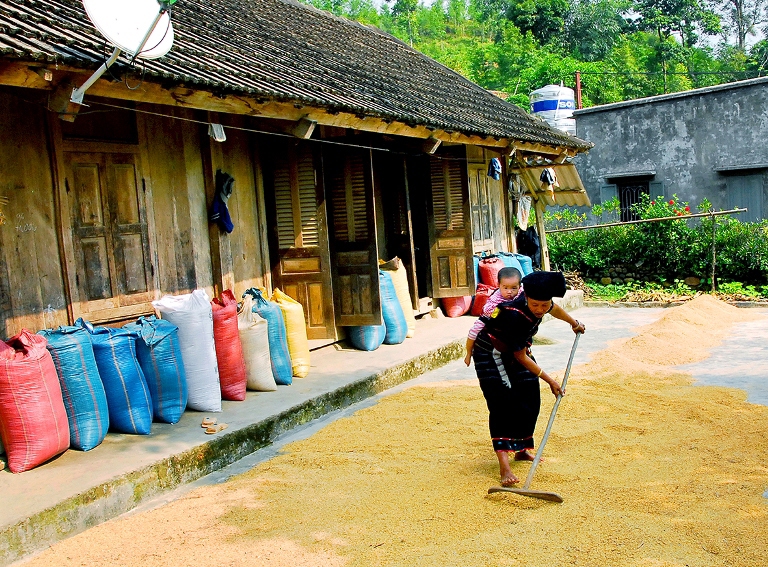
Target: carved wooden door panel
450 228
300 236
113 270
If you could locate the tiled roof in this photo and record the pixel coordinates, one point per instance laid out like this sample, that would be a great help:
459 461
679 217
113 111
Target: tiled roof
284 51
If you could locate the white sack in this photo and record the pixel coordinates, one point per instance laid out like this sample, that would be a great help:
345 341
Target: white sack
192 314
255 339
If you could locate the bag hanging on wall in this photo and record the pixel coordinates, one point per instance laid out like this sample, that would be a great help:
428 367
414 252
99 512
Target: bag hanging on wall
229 349
296 332
159 353
192 314
81 385
128 398
33 420
278 342
254 336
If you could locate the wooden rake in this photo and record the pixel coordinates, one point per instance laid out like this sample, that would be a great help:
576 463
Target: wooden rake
525 490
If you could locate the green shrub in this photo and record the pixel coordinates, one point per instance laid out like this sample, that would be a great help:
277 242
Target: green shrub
672 248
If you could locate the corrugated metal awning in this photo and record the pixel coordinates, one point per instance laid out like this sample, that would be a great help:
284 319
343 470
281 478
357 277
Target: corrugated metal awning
571 191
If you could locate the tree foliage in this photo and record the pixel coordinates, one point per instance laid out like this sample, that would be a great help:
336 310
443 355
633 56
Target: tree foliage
624 49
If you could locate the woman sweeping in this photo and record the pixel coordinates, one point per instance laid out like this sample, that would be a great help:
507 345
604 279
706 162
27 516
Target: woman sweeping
508 373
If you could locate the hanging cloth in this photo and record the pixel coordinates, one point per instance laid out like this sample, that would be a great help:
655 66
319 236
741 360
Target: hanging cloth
219 211
494 169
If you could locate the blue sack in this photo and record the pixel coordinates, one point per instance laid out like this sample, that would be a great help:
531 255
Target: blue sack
159 354
83 392
128 399
367 337
511 261
476 262
278 339
391 311
526 264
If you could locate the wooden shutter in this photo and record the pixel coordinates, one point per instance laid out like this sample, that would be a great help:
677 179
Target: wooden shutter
301 239
450 228
479 198
656 189
608 192
746 191
354 249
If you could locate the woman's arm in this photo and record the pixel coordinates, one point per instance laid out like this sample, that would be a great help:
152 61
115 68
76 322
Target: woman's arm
527 362
559 313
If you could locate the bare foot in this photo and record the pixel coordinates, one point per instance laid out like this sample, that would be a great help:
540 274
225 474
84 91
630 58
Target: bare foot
524 455
509 479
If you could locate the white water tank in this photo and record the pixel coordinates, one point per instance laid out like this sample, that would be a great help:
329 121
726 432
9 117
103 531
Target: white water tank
555 104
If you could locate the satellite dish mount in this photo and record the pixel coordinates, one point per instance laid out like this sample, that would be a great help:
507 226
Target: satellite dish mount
122 24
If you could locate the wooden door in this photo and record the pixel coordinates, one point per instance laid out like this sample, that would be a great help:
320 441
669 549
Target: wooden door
352 225
113 270
450 228
300 237
480 205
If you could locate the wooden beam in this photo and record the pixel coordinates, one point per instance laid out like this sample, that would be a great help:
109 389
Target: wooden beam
26 75
540 207
304 128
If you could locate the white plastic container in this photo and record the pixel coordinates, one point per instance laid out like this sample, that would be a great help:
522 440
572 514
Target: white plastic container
555 104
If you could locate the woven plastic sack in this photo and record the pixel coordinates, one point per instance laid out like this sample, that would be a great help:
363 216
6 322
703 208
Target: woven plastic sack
296 332
159 354
33 420
128 398
81 386
481 298
525 263
489 270
254 336
191 313
278 342
396 269
229 350
391 312
367 337
511 261
456 306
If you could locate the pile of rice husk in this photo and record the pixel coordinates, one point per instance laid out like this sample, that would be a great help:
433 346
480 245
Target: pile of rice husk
654 472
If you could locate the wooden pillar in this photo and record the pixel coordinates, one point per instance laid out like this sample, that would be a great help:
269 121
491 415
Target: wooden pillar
540 207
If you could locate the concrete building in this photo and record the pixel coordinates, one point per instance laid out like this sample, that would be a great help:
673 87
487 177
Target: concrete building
704 143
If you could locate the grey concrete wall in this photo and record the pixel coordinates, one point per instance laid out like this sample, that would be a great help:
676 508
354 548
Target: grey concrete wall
684 138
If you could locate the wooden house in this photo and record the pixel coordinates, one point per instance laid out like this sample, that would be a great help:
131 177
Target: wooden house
346 146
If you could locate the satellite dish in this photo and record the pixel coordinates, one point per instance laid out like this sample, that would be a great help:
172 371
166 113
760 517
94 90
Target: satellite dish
141 28
126 23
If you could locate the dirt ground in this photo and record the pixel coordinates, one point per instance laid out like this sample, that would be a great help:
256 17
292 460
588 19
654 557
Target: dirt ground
655 472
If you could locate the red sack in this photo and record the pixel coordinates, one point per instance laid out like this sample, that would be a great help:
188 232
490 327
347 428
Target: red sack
33 420
229 349
456 306
489 271
481 298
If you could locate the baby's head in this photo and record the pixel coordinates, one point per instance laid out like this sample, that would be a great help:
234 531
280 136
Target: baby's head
509 282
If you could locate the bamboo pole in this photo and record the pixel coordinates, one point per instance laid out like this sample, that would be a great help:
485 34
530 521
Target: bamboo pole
714 233
697 215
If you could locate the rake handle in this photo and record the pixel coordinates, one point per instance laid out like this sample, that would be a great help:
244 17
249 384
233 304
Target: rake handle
552 416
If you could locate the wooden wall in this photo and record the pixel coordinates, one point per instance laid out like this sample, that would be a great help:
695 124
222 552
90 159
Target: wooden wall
175 176
32 292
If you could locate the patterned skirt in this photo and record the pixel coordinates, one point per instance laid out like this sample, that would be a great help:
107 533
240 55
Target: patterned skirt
511 393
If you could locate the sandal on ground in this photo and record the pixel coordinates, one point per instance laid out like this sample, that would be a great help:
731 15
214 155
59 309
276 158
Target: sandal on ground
208 422
216 428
